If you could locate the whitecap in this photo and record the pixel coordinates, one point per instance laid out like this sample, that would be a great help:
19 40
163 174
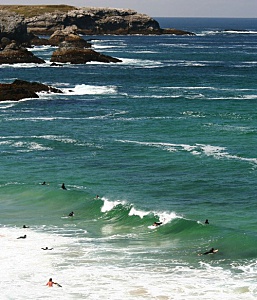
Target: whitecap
84 89
109 205
217 152
136 212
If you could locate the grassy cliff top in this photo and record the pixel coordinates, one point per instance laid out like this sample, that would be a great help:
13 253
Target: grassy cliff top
34 10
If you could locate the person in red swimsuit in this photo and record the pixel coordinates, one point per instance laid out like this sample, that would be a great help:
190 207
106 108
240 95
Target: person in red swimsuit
50 283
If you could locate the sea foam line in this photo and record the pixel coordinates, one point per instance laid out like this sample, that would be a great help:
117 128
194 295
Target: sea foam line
217 152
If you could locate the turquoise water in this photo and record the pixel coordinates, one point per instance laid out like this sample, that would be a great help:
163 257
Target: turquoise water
167 135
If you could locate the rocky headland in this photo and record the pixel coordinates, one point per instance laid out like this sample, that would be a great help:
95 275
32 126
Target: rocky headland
46 19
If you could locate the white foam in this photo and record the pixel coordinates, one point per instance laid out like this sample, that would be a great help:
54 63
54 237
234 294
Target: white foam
136 212
217 152
103 47
97 269
109 205
84 89
141 62
43 48
5 106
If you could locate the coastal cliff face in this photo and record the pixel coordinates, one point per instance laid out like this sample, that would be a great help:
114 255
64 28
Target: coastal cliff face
12 26
46 19
94 21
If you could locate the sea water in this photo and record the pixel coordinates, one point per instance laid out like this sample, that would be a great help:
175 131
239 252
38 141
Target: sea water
167 135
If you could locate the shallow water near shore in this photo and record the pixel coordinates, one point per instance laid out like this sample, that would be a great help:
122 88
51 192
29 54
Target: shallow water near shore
168 135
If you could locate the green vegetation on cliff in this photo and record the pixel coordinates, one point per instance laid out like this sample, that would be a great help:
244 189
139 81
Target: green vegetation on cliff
29 11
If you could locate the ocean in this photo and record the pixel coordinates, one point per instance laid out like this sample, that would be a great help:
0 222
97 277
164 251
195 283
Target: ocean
168 135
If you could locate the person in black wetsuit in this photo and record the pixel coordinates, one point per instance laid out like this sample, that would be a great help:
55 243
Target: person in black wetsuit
22 237
157 223
211 251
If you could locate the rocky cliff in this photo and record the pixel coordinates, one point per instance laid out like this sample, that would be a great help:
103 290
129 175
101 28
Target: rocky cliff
44 20
94 21
13 27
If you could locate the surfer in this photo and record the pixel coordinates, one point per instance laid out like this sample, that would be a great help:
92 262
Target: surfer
50 283
44 183
24 226
22 237
46 248
206 221
211 251
157 223
63 187
71 214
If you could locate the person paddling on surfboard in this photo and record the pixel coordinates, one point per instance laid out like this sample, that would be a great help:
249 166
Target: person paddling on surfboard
50 283
211 251
22 237
157 223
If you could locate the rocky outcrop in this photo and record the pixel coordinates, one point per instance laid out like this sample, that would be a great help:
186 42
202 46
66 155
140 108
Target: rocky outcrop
68 34
13 53
20 89
95 21
68 53
46 19
13 27
174 31
74 49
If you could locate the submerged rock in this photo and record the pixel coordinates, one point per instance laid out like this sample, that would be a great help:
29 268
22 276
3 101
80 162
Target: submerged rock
21 89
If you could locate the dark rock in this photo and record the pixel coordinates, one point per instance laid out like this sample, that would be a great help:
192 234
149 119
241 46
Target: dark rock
14 53
175 31
68 53
13 27
56 65
37 41
21 89
68 34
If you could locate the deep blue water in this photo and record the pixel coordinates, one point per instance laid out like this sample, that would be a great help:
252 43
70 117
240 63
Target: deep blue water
167 135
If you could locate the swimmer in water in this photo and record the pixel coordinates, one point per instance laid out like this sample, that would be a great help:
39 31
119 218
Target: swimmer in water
46 248
50 283
71 214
